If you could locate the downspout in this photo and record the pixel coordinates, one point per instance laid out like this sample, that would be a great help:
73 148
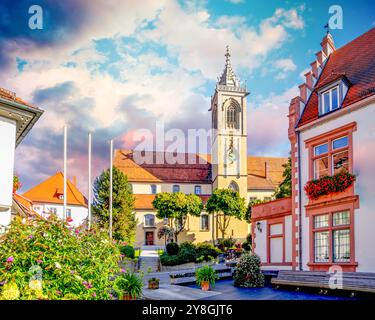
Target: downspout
299 204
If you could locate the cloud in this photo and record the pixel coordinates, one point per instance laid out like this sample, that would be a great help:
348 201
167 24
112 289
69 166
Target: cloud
271 113
112 67
284 67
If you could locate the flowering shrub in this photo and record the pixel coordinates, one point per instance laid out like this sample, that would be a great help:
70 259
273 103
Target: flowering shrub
329 184
16 183
248 272
46 259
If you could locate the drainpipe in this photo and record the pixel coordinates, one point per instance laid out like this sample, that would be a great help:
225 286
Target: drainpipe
299 204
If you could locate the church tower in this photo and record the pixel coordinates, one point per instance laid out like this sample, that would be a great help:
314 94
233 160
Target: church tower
229 132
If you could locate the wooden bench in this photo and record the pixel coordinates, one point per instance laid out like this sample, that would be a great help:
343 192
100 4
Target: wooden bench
351 281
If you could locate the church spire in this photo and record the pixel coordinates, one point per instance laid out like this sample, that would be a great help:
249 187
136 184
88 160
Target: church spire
228 78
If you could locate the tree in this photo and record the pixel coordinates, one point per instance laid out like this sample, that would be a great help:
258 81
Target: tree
176 207
249 208
124 221
285 187
229 204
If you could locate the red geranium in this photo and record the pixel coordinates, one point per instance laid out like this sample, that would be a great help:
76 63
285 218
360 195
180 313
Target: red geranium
329 184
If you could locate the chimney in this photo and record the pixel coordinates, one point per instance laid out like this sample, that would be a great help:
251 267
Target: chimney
75 181
266 170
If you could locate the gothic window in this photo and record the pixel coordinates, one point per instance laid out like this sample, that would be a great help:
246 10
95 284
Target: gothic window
233 186
232 115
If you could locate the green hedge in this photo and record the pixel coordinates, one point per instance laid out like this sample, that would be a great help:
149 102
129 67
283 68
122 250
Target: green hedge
189 252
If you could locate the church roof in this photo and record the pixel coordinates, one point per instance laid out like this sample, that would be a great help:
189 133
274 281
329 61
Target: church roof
264 173
356 62
49 190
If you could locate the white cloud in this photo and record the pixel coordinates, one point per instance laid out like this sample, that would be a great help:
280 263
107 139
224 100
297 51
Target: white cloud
284 66
168 92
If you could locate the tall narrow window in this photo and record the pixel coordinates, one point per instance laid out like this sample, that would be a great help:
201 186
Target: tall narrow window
204 222
232 117
198 190
153 189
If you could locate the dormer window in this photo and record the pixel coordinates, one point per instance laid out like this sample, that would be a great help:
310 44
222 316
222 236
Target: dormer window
331 97
330 100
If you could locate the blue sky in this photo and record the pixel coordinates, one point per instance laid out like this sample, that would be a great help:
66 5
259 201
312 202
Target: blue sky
113 68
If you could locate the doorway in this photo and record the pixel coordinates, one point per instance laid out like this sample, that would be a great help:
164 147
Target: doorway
149 238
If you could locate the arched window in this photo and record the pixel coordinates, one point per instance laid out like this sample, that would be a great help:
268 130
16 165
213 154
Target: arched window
149 220
232 115
233 186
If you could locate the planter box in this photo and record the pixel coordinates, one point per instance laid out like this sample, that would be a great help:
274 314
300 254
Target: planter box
184 266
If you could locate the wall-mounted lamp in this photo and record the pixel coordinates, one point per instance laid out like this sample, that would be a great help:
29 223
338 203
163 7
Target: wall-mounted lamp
259 226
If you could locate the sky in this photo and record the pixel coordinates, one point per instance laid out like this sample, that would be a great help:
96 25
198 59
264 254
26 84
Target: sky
112 67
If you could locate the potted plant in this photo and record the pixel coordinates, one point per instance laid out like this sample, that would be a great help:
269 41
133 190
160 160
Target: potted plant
205 277
153 283
128 286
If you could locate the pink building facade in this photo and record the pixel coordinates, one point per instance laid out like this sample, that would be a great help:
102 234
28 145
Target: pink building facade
329 220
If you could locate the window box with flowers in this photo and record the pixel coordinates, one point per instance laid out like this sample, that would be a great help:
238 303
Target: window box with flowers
328 185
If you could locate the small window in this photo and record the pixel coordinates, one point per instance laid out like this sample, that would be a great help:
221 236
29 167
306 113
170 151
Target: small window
153 189
321 221
340 162
68 213
205 222
251 199
321 167
267 198
176 188
321 245
330 100
149 220
341 218
340 143
323 148
198 190
52 210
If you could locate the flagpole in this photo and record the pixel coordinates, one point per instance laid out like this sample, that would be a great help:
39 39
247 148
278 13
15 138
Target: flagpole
110 188
65 170
89 183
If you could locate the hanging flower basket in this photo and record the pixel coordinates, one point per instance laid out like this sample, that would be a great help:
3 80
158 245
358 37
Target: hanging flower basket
328 185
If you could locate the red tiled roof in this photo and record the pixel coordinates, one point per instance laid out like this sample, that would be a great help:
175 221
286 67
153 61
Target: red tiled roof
11 96
144 201
198 170
49 190
194 172
355 61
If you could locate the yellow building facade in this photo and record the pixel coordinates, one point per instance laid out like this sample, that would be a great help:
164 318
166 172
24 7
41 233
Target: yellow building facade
228 166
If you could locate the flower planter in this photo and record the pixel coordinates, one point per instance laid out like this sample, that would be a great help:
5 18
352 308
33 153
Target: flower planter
153 285
205 286
128 296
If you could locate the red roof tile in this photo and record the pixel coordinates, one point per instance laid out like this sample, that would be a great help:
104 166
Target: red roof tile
198 170
355 61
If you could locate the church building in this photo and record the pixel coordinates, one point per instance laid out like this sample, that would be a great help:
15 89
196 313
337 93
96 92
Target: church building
228 166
